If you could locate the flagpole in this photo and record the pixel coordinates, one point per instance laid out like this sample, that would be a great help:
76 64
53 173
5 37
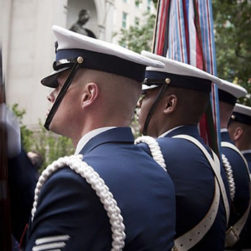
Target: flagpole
155 27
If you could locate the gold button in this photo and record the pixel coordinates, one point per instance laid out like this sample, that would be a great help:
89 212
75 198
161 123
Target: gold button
168 80
80 60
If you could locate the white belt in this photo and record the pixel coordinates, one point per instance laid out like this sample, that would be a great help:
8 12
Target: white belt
215 167
193 236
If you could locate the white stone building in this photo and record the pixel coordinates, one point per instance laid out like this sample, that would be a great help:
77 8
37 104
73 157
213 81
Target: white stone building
28 42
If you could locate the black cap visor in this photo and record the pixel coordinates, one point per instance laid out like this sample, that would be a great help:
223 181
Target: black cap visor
51 80
227 97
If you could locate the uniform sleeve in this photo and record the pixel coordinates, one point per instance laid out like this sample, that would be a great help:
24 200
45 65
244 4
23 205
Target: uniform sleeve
22 178
69 216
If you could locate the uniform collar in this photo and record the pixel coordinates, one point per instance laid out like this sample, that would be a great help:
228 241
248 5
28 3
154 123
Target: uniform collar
112 135
84 140
225 136
246 151
169 131
191 130
223 130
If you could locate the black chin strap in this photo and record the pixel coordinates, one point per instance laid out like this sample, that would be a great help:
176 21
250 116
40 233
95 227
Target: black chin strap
153 108
62 93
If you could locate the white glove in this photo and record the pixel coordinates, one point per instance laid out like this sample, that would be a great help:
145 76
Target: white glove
8 119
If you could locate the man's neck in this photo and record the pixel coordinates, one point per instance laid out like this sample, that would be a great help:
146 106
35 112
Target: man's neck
243 146
224 123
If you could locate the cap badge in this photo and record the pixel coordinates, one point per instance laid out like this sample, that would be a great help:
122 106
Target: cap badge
80 60
168 81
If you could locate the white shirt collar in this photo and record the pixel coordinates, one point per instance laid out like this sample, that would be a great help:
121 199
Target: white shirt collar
165 133
223 130
246 151
83 141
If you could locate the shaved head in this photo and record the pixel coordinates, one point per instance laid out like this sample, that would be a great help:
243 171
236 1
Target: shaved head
190 105
240 134
94 99
178 106
118 94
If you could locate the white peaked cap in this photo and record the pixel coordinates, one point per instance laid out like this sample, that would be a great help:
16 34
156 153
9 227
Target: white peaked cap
242 114
176 68
72 40
232 89
97 55
243 109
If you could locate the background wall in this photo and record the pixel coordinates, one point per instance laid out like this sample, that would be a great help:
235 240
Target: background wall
28 42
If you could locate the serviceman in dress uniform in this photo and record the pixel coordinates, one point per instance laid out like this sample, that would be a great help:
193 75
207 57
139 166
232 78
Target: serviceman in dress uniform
240 133
240 130
174 99
22 176
234 164
111 194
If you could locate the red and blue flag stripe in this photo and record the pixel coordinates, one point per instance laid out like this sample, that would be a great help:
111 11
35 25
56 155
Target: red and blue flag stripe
184 32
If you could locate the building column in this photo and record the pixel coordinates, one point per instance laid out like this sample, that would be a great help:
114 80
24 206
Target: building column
105 11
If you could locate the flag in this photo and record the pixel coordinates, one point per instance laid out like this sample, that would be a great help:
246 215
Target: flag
184 32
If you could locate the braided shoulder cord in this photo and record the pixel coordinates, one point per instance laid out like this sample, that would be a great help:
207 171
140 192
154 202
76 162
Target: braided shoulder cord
76 164
230 176
154 149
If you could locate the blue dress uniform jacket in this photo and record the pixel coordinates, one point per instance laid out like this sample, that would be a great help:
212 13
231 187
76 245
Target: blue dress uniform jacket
69 208
194 186
241 179
245 241
22 178
247 155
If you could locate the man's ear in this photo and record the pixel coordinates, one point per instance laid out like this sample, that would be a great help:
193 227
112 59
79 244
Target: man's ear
90 94
238 132
170 103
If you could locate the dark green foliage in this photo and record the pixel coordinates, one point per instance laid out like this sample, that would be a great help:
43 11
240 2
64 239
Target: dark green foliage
26 134
138 37
232 22
50 145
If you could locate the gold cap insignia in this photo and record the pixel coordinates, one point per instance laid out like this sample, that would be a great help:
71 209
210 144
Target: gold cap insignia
168 81
80 60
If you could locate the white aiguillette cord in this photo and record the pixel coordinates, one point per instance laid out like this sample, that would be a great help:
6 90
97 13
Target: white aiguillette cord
154 149
230 176
234 231
76 164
